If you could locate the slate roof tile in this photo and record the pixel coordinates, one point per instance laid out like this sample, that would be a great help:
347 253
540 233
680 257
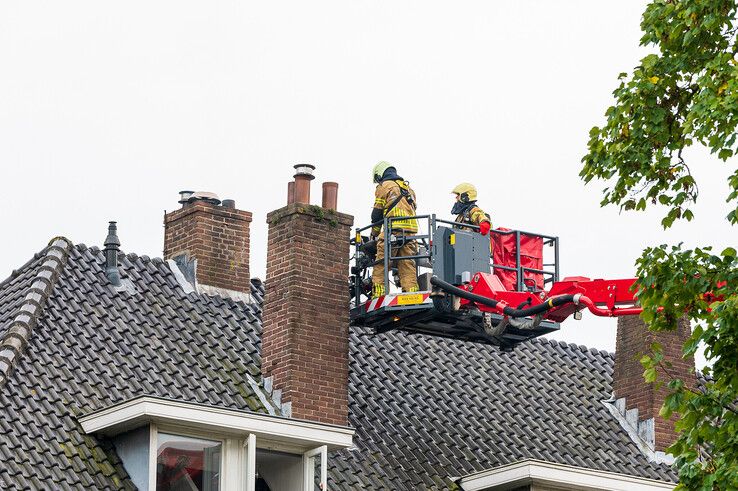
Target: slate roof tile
424 409
451 408
92 346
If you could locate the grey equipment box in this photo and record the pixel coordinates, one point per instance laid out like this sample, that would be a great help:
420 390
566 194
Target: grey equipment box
458 254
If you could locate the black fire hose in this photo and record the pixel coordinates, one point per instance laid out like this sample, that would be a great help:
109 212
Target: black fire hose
536 309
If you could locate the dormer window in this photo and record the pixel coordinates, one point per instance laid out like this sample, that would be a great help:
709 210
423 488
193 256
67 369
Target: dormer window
177 446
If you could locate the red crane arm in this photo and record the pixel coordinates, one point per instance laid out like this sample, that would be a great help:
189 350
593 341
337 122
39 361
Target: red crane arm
605 298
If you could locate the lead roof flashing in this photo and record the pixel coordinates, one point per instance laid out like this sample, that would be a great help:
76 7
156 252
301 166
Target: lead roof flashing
184 270
21 326
641 431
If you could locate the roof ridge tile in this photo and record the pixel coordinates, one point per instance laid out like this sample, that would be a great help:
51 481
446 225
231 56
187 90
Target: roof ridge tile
17 336
16 272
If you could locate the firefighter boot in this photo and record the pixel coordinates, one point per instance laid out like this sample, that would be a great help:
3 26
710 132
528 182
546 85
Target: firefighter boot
377 290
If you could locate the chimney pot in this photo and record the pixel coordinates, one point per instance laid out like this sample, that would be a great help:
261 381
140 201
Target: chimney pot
330 195
303 176
229 203
290 192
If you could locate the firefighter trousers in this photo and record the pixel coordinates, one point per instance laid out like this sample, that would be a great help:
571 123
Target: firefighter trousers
406 268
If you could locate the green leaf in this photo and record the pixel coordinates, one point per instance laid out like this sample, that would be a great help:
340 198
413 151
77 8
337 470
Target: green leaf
650 375
691 346
684 93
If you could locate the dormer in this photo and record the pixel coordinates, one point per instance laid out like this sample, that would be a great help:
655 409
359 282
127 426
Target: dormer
168 445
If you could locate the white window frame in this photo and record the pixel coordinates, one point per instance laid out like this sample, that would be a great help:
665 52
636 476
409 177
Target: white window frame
238 459
154 430
240 433
308 468
250 468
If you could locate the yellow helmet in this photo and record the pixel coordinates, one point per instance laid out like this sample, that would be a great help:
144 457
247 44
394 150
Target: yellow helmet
379 169
466 188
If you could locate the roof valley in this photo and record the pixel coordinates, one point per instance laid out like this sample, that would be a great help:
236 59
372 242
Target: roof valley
21 327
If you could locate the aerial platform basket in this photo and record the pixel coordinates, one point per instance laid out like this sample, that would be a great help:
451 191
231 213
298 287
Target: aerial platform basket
456 254
399 311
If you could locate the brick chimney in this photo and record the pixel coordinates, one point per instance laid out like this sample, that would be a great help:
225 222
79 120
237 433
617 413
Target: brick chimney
214 234
633 341
305 337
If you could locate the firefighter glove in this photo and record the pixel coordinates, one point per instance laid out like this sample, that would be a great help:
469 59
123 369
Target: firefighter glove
484 228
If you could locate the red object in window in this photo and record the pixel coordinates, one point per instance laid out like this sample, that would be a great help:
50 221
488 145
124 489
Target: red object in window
531 256
177 465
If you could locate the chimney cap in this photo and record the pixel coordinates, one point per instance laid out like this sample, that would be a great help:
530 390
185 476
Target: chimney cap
205 196
184 196
305 171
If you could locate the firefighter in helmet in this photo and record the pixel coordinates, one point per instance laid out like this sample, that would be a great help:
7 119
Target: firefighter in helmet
466 209
394 198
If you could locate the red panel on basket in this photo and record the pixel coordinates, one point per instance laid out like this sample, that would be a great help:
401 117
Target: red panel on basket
531 256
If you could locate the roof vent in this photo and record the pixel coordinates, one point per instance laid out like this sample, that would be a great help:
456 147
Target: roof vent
112 247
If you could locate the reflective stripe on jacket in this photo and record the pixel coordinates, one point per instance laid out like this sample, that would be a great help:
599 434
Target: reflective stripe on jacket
386 194
474 216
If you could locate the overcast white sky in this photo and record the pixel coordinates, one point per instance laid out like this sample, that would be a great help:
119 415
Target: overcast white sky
108 109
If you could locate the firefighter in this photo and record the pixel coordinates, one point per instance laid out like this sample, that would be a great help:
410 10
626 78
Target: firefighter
394 198
466 209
